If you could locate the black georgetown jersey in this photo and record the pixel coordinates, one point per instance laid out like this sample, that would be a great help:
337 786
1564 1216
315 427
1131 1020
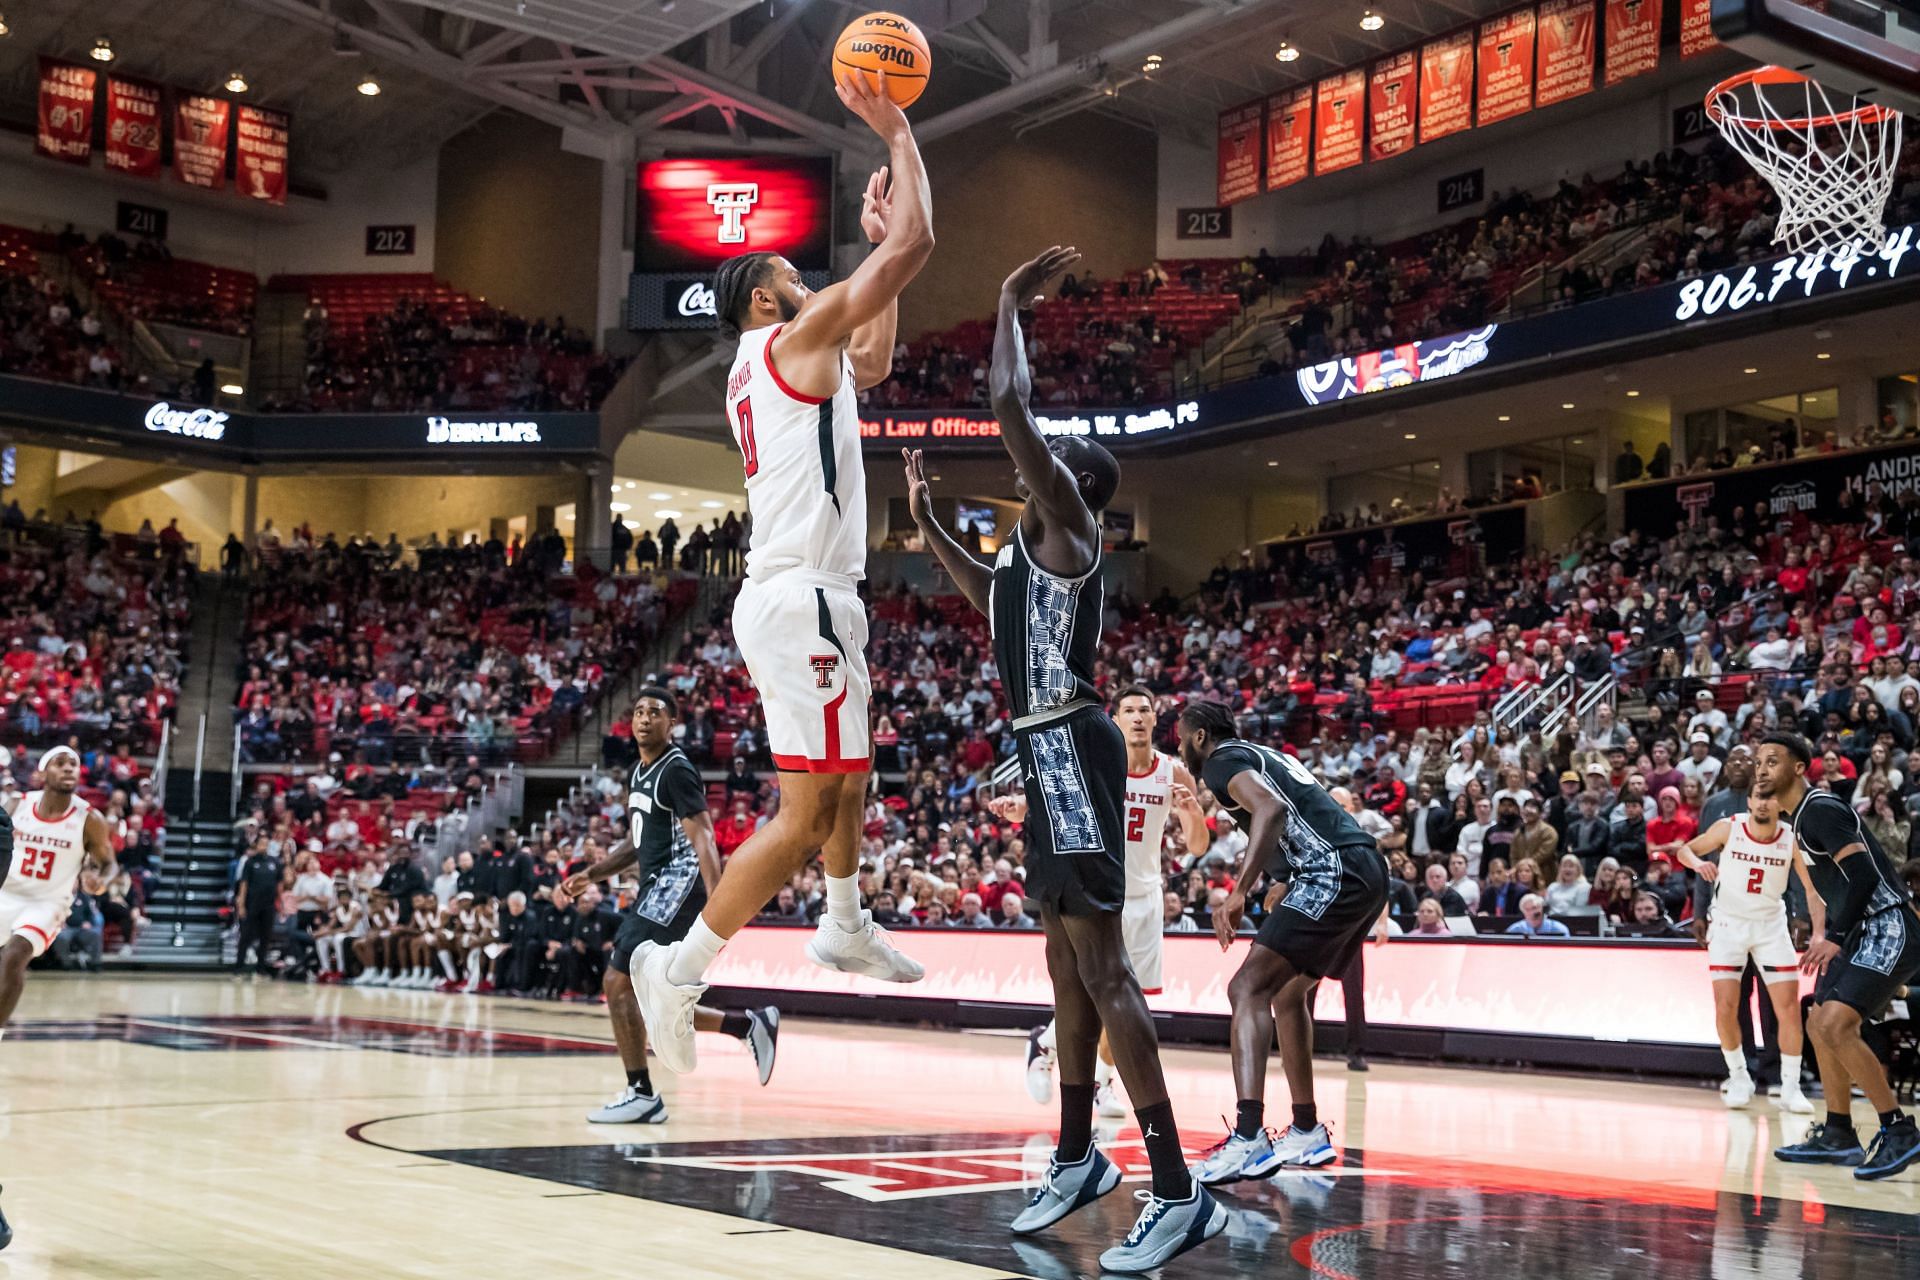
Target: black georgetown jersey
1320 836
1823 825
1045 630
659 795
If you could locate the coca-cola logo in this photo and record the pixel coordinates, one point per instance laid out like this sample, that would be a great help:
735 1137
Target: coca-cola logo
697 300
198 424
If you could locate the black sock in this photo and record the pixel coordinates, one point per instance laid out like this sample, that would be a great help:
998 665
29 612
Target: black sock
1840 1121
1170 1178
1076 1123
1252 1118
737 1025
640 1080
1890 1117
1305 1116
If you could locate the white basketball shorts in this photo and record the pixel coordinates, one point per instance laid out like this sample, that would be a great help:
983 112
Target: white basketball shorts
1731 940
804 638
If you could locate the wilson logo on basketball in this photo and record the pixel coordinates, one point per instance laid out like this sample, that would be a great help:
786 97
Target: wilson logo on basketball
904 58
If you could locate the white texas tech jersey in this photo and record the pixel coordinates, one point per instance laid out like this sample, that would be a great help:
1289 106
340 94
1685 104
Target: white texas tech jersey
47 855
806 489
1146 822
1753 873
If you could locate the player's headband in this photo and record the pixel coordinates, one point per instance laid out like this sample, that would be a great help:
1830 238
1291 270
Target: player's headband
55 754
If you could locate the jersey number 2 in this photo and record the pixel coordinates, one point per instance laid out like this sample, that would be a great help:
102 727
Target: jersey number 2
1757 880
748 450
1136 823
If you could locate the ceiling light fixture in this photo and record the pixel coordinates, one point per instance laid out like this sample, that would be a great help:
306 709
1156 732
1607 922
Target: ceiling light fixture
4 28
1749 369
1567 405
236 83
1410 436
1371 21
1632 395
1823 355
1506 417
1152 64
1286 52
618 508
666 513
369 87
660 497
102 50
232 389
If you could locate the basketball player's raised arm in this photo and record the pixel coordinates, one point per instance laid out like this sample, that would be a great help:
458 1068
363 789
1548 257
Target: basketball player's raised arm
1267 817
832 317
1010 382
1712 840
870 349
1185 795
974 579
699 829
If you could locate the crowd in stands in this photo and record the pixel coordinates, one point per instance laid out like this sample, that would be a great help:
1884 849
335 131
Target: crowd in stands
356 650
143 281
45 330
1096 342
94 628
398 344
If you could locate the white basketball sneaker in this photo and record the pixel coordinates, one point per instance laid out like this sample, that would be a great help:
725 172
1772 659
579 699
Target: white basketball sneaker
1165 1230
1738 1091
631 1107
1108 1104
666 1008
1040 1059
867 951
1296 1149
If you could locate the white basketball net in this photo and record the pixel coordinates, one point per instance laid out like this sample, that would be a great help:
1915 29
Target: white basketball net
1830 159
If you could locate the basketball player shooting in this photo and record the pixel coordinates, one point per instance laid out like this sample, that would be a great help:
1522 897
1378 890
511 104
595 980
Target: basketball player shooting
798 621
670 842
1336 894
1157 785
1043 599
1867 955
49 837
1750 922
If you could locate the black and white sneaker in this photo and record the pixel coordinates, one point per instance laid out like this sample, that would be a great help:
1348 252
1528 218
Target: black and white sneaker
763 1039
1824 1144
1896 1146
631 1107
1067 1187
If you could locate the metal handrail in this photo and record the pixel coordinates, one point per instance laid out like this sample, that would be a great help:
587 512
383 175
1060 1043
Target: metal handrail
1507 699
233 798
160 766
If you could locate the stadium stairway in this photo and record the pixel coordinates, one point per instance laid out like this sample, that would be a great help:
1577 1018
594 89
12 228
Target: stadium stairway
279 346
184 907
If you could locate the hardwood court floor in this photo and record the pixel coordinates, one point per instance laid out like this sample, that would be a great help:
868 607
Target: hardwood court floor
179 1127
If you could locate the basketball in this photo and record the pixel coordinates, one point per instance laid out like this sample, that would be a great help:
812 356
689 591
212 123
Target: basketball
886 42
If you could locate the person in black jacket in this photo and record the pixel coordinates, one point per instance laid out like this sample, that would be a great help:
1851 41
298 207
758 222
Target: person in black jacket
1451 903
1589 836
254 904
585 959
1628 842
403 880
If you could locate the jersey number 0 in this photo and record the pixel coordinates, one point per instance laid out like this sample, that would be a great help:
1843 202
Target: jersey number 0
748 450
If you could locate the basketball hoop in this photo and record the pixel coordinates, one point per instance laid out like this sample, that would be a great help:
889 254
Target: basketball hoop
1830 159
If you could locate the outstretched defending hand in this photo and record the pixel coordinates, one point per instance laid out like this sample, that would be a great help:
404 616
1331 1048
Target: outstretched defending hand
876 207
919 492
865 95
1024 285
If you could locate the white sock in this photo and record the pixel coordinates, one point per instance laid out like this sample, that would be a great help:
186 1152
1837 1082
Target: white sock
843 901
446 962
694 953
1790 1072
1102 1070
1736 1063
1047 1037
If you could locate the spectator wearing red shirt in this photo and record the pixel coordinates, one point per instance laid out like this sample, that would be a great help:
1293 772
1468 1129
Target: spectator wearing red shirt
732 831
1671 827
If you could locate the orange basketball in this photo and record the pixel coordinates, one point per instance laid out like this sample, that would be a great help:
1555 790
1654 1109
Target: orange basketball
885 42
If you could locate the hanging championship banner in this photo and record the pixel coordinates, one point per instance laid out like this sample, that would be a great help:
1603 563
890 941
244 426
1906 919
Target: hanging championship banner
1289 135
1565 67
200 140
1633 38
1696 28
260 154
1446 86
1339 120
133 127
65 129
1390 102
1506 67
1240 152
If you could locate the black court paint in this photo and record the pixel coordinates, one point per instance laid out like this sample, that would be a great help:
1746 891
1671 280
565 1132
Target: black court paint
1373 1216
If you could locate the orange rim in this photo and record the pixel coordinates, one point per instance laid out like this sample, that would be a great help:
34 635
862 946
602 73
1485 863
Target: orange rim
1867 112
